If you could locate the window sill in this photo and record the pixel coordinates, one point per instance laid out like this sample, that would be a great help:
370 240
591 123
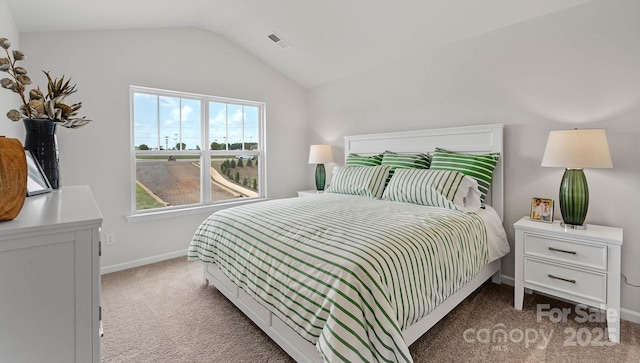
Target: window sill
209 208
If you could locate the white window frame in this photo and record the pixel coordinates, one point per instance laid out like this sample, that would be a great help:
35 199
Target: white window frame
205 155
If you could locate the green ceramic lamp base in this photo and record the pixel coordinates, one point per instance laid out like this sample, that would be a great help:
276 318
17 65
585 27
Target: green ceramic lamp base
321 177
574 199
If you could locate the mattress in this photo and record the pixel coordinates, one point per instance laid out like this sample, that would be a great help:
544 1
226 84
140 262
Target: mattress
348 273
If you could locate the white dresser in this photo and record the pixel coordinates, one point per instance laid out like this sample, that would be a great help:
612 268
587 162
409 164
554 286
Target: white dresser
50 279
578 265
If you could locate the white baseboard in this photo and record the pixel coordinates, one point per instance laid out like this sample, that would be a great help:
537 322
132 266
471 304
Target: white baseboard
625 314
507 280
141 262
630 315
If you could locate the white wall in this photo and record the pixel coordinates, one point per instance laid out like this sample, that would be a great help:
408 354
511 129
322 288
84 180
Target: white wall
105 63
576 68
8 99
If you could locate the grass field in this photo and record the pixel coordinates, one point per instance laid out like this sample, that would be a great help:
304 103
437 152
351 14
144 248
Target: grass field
145 201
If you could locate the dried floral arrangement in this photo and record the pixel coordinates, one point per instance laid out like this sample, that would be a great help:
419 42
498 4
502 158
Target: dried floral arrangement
39 106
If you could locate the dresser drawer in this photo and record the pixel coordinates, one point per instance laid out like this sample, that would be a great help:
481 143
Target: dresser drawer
591 256
579 283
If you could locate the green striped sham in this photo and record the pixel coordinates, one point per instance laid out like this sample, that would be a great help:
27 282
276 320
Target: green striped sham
436 188
366 181
361 160
397 160
479 167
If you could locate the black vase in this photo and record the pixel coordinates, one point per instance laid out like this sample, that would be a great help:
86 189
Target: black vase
41 140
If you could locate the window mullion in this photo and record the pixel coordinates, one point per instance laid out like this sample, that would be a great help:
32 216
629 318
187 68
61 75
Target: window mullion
242 148
226 126
179 137
205 158
158 120
262 156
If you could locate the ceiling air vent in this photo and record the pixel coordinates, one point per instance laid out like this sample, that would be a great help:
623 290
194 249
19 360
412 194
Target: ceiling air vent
279 41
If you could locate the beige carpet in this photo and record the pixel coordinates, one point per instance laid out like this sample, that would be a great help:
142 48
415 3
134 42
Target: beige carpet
164 313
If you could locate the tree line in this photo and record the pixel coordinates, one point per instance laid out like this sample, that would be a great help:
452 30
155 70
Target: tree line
214 146
227 167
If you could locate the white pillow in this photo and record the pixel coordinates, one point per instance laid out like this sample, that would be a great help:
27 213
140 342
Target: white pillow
366 181
437 188
470 194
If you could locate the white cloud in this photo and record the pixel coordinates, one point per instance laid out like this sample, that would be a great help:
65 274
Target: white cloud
237 116
169 102
218 120
186 113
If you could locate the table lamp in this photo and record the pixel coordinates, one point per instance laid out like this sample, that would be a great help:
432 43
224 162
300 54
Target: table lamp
576 150
320 154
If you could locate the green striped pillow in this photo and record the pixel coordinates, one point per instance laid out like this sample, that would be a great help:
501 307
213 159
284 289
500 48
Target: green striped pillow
479 167
436 188
396 160
366 181
360 160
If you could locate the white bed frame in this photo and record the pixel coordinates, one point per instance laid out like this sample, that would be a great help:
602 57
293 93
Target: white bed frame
472 139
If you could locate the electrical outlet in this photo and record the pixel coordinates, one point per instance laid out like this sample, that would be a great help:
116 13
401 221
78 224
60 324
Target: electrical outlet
110 239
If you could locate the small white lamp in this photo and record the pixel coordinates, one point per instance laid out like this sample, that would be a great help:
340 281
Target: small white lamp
575 150
320 154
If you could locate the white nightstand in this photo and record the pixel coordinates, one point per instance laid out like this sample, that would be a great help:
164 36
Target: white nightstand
578 265
303 193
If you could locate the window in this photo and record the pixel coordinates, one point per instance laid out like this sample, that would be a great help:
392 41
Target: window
175 133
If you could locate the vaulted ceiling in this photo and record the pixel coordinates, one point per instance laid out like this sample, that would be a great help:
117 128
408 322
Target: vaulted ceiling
330 39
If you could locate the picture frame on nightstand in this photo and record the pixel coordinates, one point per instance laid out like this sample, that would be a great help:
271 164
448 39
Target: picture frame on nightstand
541 210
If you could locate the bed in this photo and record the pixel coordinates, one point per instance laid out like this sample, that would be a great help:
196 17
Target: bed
356 279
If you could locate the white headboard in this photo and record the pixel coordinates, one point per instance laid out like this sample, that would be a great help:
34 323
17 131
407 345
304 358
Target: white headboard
470 139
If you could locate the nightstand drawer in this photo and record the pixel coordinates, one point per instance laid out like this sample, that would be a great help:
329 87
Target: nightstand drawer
590 256
579 283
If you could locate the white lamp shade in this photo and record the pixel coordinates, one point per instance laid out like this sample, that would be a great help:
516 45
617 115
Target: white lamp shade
577 149
320 154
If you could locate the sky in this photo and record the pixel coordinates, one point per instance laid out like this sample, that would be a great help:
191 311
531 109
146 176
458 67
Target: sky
162 121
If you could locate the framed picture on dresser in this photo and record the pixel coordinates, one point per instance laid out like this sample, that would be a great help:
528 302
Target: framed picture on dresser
37 182
541 210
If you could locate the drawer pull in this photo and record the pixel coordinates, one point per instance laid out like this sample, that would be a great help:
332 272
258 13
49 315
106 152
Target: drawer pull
561 278
563 251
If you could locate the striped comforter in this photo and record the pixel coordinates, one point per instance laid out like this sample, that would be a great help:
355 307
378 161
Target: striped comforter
347 273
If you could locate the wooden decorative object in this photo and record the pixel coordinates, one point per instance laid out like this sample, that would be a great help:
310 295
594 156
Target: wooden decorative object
13 178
